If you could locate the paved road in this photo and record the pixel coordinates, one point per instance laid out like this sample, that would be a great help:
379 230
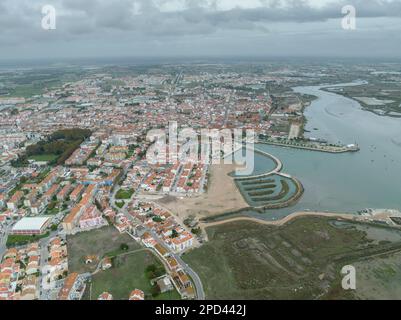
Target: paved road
116 189
197 282
3 240
46 294
200 293
281 222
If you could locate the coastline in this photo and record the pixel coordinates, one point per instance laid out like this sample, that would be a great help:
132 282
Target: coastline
283 221
333 150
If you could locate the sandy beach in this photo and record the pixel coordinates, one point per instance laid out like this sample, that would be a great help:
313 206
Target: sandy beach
222 196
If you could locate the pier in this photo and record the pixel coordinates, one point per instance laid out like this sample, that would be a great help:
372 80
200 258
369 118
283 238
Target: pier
312 146
277 169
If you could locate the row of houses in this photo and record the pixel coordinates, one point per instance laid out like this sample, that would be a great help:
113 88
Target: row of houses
191 178
105 176
73 287
135 295
180 177
80 155
84 215
135 176
56 266
164 224
181 280
115 156
38 195
19 273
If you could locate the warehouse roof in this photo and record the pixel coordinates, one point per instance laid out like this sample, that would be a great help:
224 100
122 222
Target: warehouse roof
35 223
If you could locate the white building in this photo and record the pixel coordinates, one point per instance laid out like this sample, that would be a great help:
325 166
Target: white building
31 226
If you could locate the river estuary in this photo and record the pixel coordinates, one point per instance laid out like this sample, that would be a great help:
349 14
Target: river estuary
370 178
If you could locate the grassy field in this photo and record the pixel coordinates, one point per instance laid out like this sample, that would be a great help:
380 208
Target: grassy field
124 194
26 91
127 274
301 260
98 242
379 278
18 240
119 204
44 157
56 148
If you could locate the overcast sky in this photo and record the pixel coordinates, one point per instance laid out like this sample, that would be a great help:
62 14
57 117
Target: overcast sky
176 28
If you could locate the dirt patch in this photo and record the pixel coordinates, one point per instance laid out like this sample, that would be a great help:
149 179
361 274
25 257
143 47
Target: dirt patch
222 196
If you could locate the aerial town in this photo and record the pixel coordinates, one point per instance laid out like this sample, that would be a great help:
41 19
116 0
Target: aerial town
205 158
80 202
73 160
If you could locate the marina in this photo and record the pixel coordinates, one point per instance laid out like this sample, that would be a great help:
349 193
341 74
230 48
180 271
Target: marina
343 182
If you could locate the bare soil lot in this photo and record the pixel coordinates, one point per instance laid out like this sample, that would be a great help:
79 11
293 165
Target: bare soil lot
129 273
222 196
97 242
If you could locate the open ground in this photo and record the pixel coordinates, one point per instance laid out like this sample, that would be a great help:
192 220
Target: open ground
222 196
128 273
98 242
301 259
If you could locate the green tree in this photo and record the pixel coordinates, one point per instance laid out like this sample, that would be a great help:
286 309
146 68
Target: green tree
124 247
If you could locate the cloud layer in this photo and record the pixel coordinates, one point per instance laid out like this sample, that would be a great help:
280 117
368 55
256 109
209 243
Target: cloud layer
141 27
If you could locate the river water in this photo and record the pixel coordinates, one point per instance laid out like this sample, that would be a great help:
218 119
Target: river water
370 178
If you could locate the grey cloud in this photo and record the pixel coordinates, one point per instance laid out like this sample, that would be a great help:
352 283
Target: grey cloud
198 19
101 22
83 17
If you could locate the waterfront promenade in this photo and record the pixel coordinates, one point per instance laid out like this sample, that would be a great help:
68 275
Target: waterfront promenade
311 147
276 170
285 220
383 216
